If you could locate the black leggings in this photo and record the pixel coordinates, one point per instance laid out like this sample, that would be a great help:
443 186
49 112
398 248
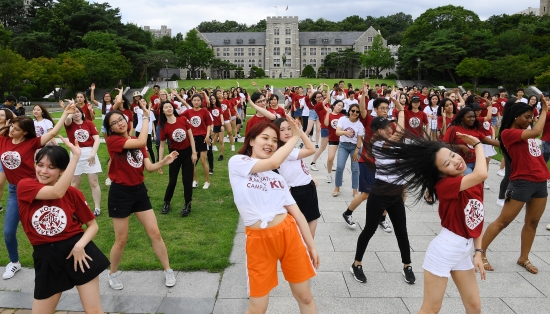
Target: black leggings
210 156
395 207
506 179
149 147
184 162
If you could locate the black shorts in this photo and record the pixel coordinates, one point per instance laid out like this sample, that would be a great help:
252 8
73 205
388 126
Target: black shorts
306 199
239 121
200 145
366 178
335 143
124 200
524 191
217 129
54 273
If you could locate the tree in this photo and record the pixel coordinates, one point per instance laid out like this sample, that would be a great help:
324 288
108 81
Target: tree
544 79
222 66
45 74
153 60
322 72
512 70
193 53
378 58
5 37
12 68
239 73
101 41
256 72
35 44
473 68
308 72
12 15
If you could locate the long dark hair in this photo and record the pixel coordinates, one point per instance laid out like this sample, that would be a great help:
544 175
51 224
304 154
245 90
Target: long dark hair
106 123
25 123
104 104
441 106
57 155
162 117
45 114
460 115
512 110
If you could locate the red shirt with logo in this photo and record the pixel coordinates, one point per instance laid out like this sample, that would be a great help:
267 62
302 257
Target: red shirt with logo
483 106
176 133
126 164
86 111
232 103
461 212
321 113
252 121
527 160
546 130
217 114
448 121
296 101
485 127
199 120
225 109
451 138
497 107
415 121
48 221
18 159
83 133
502 102
279 112
424 101
332 125
155 106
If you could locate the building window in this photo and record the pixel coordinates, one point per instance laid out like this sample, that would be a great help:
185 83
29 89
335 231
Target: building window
226 52
259 51
313 51
276 32
276 51
238 52
370 39
287 31
325 40
312 41
367 48
287 41
313 62
252 41
339 49
217 52
290 74
304 50
239 41
325 51
338 40
288 51
226 41
251 63
276 41
260 63
288 62
322 62
276 63
251 51
304 63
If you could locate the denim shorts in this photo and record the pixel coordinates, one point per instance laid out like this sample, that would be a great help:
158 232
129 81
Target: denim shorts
298 112
2 167
324 132
545 148
494 121
313 115
366 178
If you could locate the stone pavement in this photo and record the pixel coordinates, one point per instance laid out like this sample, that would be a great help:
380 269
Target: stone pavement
510 289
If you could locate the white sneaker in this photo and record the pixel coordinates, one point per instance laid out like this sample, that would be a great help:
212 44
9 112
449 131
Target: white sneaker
547 185
97 212
114 282
500 172
214 148
195 184
333 167
11 269
170 278
548 227
232 148
385 226
313 167
206 185
108 182
500 202
486 186
329 178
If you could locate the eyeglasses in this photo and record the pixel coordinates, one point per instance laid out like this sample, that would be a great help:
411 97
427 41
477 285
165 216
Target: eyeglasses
383 108
259 101
354 111
117 121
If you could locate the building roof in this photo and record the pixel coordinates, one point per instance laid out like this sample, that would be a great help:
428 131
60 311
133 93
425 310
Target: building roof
329 38
231 39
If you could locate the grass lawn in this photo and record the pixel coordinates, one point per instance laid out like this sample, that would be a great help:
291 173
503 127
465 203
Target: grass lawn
202 240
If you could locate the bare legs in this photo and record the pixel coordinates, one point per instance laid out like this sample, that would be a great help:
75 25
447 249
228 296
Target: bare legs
301 292
94 185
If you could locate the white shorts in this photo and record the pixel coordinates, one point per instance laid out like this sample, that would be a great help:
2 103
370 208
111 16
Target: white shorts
489 150
83 166
226 121
447 252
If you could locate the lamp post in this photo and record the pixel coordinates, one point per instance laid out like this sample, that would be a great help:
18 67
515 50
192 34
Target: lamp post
418 60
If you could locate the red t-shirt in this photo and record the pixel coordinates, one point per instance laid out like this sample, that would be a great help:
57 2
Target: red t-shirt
527 160
176 133
321 113
546 131
217 114
252 121
440 124
424 101
451 138
461 212
18 159
155 107
415 121
199 120
309 104
225 110
483 106
502 102
497 107
485 127
83 133
48 221
332 125
126 164
279 112
232 104
86 111
296 101
368 134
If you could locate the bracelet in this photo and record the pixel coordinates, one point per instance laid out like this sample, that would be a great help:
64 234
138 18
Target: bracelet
476 144
480 251
358 147
145 118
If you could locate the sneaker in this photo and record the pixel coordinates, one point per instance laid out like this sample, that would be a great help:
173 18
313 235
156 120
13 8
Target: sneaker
170 278
500 172
186 210
548 227
316 146
11 269
206 185
232 148
214 148
108 182
547 185
385 226
486 186
329 178
114 282
97 212
333 167
195 184
165 208
210 171
358 273
409 275
220 158
1 208
313 167
500 202
301 145
349 220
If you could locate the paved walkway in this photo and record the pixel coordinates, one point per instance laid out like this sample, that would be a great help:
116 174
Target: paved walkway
510 289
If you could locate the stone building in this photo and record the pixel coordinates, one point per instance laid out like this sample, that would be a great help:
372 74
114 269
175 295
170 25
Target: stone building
283 38
158 33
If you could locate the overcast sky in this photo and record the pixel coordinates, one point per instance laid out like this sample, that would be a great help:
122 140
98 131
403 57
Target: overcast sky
181 16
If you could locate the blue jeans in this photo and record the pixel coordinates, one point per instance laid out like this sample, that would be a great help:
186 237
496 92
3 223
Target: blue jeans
346 149
469 168
157 136
11 222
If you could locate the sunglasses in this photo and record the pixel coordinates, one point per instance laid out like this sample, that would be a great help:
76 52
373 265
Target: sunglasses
354 111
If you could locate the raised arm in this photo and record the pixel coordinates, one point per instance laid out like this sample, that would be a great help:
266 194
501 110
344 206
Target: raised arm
536 131
480 170
92 96
44 139
362 102
263 111
141 141
118 100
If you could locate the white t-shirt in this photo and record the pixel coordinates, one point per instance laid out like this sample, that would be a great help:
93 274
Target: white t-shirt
294 170
390 178
259 196
42 127
305 108
107 109
334 96
139 125
370 106
348 102
431 111
373 113
357 127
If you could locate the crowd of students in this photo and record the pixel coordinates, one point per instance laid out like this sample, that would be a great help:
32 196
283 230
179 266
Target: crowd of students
399 141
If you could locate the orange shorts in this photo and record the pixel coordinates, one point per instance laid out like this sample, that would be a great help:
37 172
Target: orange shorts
264 247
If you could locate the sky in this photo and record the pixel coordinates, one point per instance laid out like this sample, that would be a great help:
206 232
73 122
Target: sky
181 16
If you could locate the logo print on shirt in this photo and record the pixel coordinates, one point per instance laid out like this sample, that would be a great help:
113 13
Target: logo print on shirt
39 130
126 117
135 162
494 110
486 125
304 167
11 159
49 220
426 101
195 121
136 110
215 112
81 135
224 107
334 123
474 213
352 132
178 135
414 122
534 148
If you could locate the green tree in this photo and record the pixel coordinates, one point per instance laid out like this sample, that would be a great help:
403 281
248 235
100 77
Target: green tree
308 72
12 15
322 72
193 53
474 68
165 43
544 79
5 37
239 73
12 69
101 41
378 58
512 70
35 44
222 66
45 74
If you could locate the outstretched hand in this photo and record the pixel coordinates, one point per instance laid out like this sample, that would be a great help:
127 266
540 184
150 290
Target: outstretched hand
468 139
75 148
